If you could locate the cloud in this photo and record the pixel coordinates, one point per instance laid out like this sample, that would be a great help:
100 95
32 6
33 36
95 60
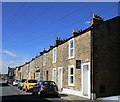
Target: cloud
6 62
10 59
10 63
87 22
0 65
9 53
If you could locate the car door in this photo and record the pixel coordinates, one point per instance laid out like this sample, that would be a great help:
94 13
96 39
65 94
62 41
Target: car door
36 87
25 83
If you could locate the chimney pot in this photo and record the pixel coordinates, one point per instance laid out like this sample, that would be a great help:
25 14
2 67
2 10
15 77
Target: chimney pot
96 19
76 32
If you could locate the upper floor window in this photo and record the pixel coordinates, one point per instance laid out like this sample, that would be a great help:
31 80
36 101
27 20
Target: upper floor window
54 55
71 48
44 59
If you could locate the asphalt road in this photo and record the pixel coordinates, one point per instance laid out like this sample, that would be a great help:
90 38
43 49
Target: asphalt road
11 93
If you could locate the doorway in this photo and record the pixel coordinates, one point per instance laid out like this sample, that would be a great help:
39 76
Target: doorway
86 79
47 75
60 78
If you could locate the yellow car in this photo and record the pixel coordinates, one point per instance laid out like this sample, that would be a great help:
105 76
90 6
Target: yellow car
28 84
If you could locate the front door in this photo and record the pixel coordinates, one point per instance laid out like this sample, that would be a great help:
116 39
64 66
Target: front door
60 78
47 75
86 79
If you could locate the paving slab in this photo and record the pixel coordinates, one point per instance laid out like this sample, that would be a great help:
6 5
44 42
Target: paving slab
71 97
75 98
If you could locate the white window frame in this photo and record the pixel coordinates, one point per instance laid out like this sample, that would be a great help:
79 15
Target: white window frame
60 68
54 69
54 55
44 59
37 75
69 56
69 76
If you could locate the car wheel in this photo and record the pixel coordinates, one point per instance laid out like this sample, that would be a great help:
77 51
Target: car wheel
33 93
56 96
23 89
38 93
41 94
26 89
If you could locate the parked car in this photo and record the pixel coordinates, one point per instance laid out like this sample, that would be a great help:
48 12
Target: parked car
28 84
45 88
20 84
15 82
9 81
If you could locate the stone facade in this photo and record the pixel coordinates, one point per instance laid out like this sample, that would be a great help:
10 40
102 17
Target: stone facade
81 52
38 67
16 72
25 71
31 68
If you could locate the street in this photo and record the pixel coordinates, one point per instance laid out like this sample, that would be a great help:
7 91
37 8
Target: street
13 94
9 93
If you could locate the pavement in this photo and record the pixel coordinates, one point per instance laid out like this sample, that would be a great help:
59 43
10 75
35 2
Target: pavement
71 97
75 98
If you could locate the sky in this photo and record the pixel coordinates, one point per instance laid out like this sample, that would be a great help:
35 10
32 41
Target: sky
29 27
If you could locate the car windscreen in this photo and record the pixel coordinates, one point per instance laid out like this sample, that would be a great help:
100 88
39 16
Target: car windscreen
32 81
17 80
40 83
23 80
50 83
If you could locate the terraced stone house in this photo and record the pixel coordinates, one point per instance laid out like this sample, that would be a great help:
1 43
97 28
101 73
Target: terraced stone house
86 64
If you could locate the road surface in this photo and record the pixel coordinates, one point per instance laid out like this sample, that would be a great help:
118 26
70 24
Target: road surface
11 93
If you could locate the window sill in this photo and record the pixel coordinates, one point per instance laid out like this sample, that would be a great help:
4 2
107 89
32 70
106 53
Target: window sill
71 57
54 62
70 84
44 64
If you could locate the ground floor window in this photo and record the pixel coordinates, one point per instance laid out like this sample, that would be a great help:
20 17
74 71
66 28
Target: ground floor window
37 75
71 75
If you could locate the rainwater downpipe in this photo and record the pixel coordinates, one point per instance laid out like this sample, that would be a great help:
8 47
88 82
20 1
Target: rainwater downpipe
93 94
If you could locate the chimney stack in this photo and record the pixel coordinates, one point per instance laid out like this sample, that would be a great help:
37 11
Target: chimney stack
96 19
44 50
76 32
58 41
51 47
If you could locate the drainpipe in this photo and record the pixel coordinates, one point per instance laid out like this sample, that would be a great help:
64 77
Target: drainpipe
93 94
